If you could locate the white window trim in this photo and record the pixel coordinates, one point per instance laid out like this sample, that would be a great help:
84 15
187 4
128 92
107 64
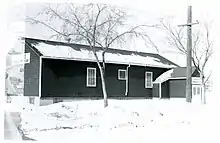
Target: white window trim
146 80
87 77
122 70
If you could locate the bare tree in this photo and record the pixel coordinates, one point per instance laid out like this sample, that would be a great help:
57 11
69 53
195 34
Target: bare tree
201 48
94 24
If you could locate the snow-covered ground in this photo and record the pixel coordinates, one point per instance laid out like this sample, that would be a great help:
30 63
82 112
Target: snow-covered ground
122 120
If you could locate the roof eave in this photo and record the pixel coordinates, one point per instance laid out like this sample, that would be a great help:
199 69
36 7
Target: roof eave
112 62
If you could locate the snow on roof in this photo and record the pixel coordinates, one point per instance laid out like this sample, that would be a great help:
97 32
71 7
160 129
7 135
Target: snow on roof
175 73
83 53
164 77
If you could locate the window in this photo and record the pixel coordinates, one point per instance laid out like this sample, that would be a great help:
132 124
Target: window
121 74
196 90
91 77
148 80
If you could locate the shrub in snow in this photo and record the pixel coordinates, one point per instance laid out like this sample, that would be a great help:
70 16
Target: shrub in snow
58 115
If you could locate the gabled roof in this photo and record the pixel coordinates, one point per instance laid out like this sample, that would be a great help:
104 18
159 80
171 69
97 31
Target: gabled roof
176 73
181 72
61 50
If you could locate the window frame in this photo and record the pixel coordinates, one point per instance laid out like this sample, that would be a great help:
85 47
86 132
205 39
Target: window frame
122 70
87 77
151 79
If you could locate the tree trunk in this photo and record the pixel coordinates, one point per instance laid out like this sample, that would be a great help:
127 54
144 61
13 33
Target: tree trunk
203 95
102 73
202 89
203 92
103 87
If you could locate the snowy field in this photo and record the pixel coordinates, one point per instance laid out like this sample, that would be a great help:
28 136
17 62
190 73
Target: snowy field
122 120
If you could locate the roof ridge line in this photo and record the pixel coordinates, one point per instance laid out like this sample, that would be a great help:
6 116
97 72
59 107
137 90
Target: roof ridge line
155 56
66 43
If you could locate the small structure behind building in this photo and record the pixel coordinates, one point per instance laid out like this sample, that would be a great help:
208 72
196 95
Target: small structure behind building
172 84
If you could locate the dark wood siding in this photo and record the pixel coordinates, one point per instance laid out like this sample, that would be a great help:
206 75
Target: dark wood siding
31 74
137 80
137 83
165 89
156 90
67 78
115 87
177 88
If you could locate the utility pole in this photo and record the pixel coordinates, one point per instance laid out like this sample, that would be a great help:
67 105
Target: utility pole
189 55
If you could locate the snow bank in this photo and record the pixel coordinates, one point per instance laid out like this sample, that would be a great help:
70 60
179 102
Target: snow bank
68 52
19 106
70 119
11 130
9 107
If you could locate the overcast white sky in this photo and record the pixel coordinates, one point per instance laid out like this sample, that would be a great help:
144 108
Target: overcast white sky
146 10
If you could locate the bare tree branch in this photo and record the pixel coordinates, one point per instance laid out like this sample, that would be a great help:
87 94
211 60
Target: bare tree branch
34 21
201 50
208 77
95 24
152 43
174 36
